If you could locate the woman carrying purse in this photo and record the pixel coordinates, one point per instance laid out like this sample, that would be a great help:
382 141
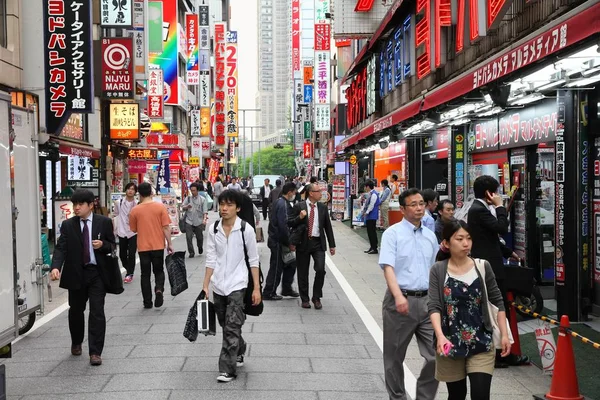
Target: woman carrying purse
459 291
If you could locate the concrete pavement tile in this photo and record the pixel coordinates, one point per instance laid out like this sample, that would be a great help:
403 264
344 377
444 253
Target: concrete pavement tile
337 338
140 395
30 369
351 396
132 312
241 395
276 310
316 318
326 382
251 364
373 350
123 366
355 366
198 381
145 319
13 397
53 385
110 330
287 318
63 354
275 338
283 350
176 350
307 328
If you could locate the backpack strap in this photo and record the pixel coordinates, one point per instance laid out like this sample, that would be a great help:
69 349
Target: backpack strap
216 226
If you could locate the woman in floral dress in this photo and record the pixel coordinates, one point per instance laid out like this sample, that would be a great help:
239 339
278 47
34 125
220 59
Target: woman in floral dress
460 316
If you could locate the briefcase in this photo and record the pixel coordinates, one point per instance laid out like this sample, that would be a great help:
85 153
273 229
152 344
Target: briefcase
206 318
259 235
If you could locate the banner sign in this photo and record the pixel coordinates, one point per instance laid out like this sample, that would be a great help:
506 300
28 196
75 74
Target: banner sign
156 94
124 121
205 122
322 77
138 14
213 171
308 94
193 75
142 154
458 177
195 122
196 146
67 61
322 117
307 151
220 84
295 37
117 68
232 84
298 88
115 13
322 37
205 147
139 53
167 59
79 168
163 179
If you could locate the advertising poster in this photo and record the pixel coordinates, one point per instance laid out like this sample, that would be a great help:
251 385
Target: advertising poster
117 68
213 171
63 210
232 84
338 202
356 208
124 121
167 58
170 202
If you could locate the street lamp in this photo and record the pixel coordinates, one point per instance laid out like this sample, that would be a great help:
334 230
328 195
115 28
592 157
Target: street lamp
251 142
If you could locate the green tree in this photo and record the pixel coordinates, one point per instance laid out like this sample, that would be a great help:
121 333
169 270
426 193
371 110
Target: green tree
272 161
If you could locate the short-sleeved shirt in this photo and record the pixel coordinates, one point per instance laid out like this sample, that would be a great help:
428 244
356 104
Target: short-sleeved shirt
148 219
411 251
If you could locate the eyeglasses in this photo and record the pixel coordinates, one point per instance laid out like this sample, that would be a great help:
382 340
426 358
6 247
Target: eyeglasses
414 205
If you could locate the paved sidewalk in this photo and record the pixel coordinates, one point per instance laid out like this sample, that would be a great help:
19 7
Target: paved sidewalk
293 353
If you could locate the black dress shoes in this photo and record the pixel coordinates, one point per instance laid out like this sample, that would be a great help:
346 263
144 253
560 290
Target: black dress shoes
290 293
372 252
317 304
272 297
76 349
305 304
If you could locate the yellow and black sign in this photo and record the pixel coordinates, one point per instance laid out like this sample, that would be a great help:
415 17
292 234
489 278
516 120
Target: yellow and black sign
353 159
194 161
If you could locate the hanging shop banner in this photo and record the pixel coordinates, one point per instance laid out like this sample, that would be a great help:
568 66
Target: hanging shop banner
193 74
163 180
232 84
138 14
205 151
117 68
307 150
322 9
220 84
204 24
196 146
295 37
155 94
139 53
124 121
322 77
67 61
163 141
195 122
307 129
308 94
322 37
79 168
205 122
322 117
338 202
523 127
232 151
115 13
213 171
560 191
298 89
166 59
307 72
204 82
458 193
142 154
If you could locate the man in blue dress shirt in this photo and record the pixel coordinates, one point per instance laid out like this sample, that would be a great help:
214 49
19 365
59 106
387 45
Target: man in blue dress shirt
408 251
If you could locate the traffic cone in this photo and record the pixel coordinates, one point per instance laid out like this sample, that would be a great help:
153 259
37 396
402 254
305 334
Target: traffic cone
515 349
564 384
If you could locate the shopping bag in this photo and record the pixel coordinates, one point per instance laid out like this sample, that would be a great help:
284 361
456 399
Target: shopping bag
177 273
115 278
206 316
190 330
259 235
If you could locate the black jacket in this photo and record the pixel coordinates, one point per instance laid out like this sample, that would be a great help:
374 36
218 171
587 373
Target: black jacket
68 253
485 229
325 229
262 192
279 232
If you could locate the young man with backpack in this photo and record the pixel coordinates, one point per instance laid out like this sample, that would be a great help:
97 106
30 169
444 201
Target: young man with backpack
127 238
230 250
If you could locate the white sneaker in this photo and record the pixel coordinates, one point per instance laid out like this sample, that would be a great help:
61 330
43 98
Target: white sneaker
225 377
240 361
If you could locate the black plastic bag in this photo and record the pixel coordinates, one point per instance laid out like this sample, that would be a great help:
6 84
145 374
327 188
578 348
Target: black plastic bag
177 273
190 330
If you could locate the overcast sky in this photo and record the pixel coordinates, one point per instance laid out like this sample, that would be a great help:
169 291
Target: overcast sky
244 20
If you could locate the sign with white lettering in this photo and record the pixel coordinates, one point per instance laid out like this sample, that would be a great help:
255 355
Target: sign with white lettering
117 68
156 94
115 13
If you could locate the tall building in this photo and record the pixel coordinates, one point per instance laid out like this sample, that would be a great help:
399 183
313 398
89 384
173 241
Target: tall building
274 66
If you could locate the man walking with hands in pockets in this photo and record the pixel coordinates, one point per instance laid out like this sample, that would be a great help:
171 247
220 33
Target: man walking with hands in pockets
407 253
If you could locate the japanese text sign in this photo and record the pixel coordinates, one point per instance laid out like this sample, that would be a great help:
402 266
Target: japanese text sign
195 123
156 94
191 23
295 36
220 84
322 36
322 77
232 84
115 13
142 154
117 68
124 121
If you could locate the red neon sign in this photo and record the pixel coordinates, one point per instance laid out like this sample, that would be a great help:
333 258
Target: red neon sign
357 100
443 19
423 38
364 5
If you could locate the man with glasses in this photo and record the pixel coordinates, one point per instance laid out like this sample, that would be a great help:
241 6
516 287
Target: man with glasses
312 218
407 253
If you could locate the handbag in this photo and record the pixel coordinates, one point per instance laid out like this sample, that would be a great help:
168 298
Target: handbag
115 278
287 255
493 311
206 316
190 330
176 272
182 221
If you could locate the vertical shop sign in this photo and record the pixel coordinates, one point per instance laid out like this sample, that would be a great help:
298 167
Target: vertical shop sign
163 179
195 122
115 13
371 88
321 11
353 179
139 53
295 37
117 68
220 84
156 94
193 73
458 179
307 151
196 146
584 192
155 26
232 84
596 201
67 61
167 59
560 190
205 122
322 77
322 37
124 121
205 147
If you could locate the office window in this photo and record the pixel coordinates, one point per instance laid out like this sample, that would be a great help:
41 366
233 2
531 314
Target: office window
3 38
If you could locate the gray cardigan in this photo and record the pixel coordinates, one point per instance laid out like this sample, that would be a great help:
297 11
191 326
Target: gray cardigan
437 278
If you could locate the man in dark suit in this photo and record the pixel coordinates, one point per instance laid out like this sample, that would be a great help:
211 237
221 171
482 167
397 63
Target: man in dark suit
265 191
312 219
80 261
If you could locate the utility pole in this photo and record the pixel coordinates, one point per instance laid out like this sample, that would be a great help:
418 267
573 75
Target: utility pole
243 110
251 141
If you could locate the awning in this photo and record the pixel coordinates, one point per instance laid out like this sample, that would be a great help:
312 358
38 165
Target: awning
75 149
572 27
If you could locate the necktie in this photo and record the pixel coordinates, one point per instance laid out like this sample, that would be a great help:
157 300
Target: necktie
311 220
86 243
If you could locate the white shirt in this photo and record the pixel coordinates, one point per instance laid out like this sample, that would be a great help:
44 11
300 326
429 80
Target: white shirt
315 231
122 210
490 207
267 191
89 225
234 186
225 255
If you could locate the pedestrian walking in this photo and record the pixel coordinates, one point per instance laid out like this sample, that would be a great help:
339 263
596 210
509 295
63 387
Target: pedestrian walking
311 217
370 212
458 298
234 185
227 271
196 217
430 197
408 251
152 224
384 208
279 240
275 193
218 189
80 261
265 191
394 185
127 238
446 214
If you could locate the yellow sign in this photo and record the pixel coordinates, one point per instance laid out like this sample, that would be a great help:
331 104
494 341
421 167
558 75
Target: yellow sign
352 159
124 121
205 122
194 161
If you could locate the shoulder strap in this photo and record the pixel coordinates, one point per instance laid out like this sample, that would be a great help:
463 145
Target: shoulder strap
216 226
480 265
244 242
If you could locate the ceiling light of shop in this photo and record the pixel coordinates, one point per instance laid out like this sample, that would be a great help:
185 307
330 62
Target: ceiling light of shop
584 82
521 101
